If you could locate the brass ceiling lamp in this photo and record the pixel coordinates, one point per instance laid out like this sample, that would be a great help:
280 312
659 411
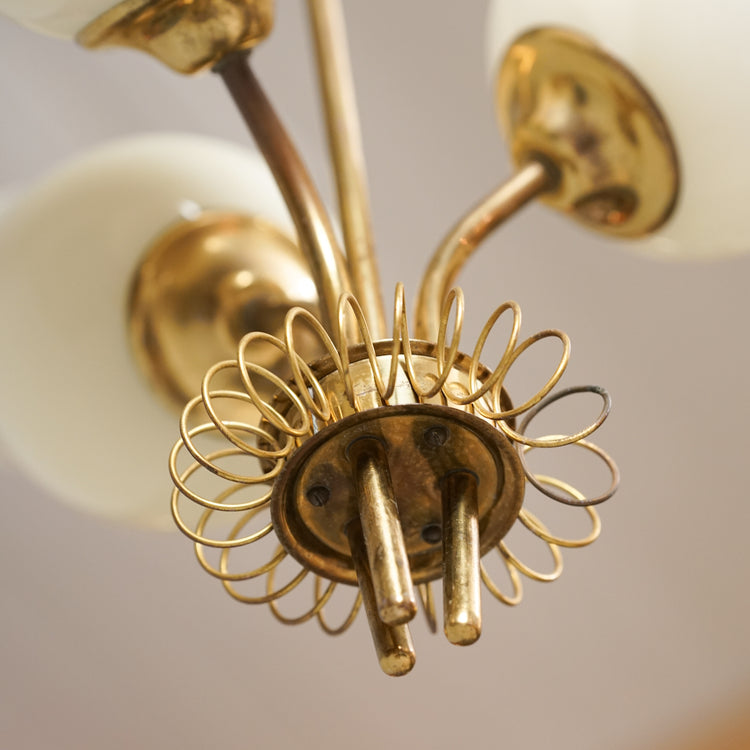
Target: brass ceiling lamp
384 458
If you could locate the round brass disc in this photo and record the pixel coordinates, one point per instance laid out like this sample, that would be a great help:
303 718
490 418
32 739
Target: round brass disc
563 100
314 496
201 286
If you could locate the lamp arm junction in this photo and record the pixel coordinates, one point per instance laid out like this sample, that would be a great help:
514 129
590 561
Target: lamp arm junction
530 181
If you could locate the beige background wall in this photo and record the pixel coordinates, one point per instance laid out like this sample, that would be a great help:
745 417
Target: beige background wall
111 637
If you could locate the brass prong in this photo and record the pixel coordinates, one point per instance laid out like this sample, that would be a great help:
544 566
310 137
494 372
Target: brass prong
393 643
381 527
461 595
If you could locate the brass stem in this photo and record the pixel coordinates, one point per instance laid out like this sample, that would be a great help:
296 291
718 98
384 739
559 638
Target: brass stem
461 591
314 229
345 144
428 605
531 180
384 539
393 643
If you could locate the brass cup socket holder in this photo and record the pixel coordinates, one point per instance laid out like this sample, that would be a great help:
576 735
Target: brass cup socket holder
186 35
564 101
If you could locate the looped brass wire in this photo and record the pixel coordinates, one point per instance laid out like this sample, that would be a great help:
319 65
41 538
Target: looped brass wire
525 569
567 500
530 522
515 579
346 624
320 602
303 406
560 440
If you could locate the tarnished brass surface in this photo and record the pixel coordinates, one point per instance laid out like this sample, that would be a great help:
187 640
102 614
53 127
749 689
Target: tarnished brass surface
562 98
204 283
186 35
393 643
462 618
423 444
384 539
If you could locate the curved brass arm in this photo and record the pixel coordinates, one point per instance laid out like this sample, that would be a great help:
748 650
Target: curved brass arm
314 229
530 181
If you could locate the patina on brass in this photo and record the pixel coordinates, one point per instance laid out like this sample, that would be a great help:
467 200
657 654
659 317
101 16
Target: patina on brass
200 286
393 643
186 35
462 620
424 443
563 99
384 539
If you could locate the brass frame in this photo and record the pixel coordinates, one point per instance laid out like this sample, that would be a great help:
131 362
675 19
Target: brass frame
380 392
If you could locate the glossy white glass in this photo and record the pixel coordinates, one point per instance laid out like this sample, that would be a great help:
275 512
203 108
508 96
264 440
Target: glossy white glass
693 59
63 18
74 410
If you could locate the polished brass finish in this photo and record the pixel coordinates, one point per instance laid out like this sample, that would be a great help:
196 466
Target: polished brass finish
186 35
562 98
381 526
532 180
337 89
315 535
393 643
200 286
314 229
461 593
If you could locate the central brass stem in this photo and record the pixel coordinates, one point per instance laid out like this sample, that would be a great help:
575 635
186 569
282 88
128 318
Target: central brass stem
345 144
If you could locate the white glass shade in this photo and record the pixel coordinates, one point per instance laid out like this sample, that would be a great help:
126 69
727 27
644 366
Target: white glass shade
694 62
74 409
63 18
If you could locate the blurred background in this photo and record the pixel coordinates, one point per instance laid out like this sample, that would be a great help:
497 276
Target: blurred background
113 637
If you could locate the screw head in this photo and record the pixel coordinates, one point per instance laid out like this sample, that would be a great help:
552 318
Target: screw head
318 495
436 435
432 533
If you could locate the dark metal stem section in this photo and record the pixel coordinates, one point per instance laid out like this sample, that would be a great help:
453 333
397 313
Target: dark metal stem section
314 229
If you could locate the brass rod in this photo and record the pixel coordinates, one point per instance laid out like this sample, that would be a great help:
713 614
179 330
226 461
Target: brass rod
393 643
345 144
461 591
314 230
428 605
531 180
384 539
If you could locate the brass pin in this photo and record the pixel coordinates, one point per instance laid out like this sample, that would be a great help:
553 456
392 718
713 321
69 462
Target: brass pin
393 643
462 610
381 527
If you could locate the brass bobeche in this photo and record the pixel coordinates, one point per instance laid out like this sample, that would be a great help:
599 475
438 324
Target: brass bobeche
186 35
384 459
